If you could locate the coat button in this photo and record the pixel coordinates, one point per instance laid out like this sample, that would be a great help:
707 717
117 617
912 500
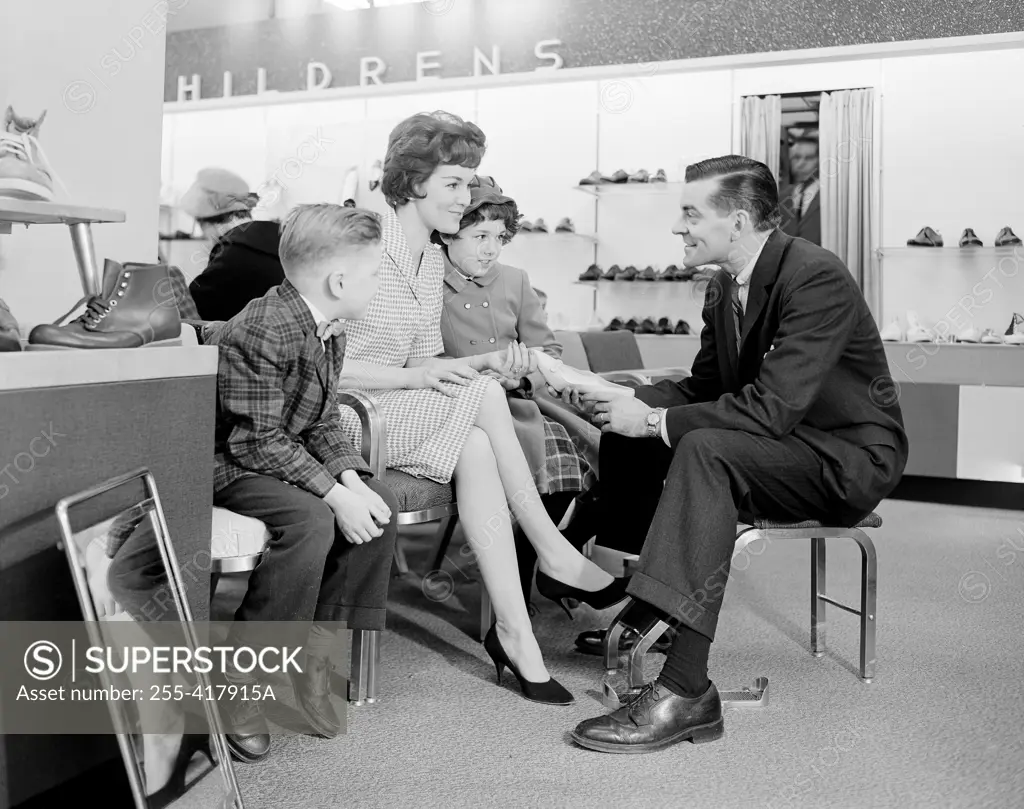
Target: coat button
467 305
491 340
486 304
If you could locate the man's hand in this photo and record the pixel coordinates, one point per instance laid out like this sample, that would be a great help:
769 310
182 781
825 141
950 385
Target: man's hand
433 376
379 510
615 413
97 563
352 515
576 396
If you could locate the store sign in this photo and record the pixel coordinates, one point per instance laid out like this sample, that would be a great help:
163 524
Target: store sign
373 70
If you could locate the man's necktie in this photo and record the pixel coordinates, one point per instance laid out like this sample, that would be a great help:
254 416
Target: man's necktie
737 311
800 191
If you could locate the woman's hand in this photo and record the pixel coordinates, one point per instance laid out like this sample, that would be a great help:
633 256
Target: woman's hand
515 362
507 382
434 376
97 564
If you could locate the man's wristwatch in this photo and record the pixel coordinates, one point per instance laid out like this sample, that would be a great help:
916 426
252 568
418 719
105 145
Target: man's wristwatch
654 422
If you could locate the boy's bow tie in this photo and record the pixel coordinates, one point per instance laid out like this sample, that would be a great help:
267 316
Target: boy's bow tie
329 328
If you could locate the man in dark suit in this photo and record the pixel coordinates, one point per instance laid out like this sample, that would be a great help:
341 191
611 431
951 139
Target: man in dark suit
801 201
789 413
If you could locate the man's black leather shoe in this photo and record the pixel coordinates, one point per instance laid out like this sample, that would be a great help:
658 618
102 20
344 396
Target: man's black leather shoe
591 642
246 733
313 697
653 720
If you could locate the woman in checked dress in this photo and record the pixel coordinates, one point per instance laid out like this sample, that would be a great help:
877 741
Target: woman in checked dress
447 418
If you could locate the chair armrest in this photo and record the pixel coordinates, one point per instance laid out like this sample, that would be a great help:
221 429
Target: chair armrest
626 376
681 372
375 429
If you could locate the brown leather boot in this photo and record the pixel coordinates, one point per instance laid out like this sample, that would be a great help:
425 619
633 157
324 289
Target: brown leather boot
137 308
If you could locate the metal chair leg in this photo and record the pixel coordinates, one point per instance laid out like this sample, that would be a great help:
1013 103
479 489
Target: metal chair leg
362 683
612 638
868 592
639 650
400 561
445 529
214 579
819 588
486 613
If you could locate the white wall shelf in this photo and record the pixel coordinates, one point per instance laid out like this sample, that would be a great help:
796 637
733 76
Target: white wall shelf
630 189
37 212
588 238
949 252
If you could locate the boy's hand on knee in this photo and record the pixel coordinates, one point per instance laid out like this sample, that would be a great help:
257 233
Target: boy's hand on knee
378 508
352 514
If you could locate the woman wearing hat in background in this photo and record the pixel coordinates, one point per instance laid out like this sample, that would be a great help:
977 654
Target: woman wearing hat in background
488 306
243 263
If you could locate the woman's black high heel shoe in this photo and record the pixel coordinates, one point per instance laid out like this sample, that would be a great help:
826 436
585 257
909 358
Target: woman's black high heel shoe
191 743
598 599
550 692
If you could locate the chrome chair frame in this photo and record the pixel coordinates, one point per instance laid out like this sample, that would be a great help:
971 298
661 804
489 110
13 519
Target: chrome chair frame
771 530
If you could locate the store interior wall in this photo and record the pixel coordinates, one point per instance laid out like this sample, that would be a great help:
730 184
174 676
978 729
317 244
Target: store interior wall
102 90
949 143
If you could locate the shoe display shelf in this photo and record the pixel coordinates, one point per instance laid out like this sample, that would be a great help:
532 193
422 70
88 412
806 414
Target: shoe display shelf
533 237
78 219
628 189
950 252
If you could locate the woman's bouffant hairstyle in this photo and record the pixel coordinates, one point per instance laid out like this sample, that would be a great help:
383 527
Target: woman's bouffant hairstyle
420 144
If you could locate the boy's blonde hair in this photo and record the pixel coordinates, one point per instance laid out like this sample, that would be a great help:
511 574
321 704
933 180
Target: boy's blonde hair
311 234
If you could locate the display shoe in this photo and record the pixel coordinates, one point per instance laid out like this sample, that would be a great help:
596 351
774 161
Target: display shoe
969 335
540 227
594 178
376 174
649 274
613 271
682 327
893 333
671 271
1006 238
926 237
1015 331
526 226
916 333
559 376
970 239
615 325
632 325
565 226
659 177
647 327
134 310
628 274
990 337
664 326
642 176
350 188
25 173
619 177
593 273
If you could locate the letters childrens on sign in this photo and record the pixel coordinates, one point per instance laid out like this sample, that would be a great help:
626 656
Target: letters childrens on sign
372 70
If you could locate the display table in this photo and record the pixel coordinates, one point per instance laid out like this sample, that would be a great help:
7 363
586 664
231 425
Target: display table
73 419
963 404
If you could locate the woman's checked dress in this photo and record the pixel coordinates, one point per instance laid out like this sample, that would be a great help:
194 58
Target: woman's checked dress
426 429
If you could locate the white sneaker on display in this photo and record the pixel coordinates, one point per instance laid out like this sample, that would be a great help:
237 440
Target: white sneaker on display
989 336
25 173
916 333
969 335
893 333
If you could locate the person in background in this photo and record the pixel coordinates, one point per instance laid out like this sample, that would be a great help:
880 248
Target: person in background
244 263
489 305
800 199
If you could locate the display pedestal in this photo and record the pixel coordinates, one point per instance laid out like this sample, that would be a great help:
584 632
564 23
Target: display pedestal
73 419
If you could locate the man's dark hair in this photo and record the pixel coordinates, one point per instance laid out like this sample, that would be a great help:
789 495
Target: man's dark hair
743 184
420 144
804 139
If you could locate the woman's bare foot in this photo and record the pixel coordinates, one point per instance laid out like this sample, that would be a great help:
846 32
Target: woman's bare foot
522 649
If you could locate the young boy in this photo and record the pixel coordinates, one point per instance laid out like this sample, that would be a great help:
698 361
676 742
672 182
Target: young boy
282 457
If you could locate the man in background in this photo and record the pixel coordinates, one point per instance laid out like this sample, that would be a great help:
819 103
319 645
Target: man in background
800 200
243 264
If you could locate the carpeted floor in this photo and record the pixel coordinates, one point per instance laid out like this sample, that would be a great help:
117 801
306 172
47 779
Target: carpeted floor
942 725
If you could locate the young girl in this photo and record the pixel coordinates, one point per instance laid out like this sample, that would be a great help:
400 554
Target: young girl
447 419
491 305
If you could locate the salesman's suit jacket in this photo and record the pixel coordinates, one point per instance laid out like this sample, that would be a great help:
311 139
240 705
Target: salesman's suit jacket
810 364
277 397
